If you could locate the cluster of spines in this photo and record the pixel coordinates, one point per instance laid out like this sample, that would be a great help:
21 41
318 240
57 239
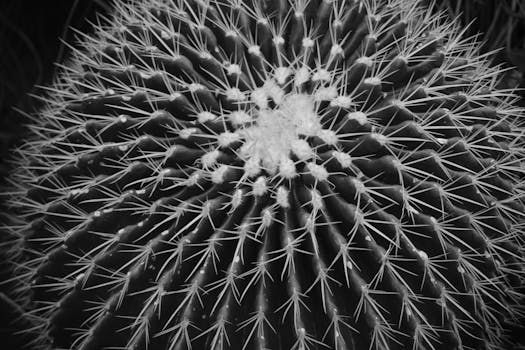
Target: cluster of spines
397 219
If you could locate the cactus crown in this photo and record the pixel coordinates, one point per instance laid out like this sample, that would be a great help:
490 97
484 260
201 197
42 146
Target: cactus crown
271 175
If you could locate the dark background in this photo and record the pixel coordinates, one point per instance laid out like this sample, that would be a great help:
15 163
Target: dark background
32 36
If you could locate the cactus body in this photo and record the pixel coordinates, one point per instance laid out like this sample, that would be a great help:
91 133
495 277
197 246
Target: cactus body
271 175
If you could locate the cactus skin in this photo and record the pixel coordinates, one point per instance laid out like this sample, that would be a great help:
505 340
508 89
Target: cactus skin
205 177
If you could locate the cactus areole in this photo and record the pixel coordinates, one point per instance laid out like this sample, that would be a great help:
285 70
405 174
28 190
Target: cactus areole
292 174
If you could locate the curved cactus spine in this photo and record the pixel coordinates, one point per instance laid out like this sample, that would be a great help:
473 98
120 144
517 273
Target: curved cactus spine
215 174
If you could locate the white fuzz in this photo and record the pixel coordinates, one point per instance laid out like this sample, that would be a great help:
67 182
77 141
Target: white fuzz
209 159
281 197
235 94
278 40
373 81
226 138
359 117
194 87
302 75
308 43
328 136
252 166
259 186
267 217
325 93
319 172
260 98
365 60
233 69
343 158
301 148
321 75
382 139
239 117
187 132
275 133
281 74
174 96
359 185
273 91
205 116
193 179
255 50
422 255
236 198
165 35
287 168
341 101
317 199
217 176
336 50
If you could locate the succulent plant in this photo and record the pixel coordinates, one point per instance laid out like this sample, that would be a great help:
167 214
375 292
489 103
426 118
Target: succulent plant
306 174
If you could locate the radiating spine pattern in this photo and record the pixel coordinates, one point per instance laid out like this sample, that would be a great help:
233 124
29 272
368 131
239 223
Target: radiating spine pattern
256 174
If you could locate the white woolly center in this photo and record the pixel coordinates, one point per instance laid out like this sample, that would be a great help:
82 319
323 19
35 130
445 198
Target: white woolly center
276 132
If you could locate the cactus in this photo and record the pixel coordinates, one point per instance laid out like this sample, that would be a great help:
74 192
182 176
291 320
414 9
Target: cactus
213 174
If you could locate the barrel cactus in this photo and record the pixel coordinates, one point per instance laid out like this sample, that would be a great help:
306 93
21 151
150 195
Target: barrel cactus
256 174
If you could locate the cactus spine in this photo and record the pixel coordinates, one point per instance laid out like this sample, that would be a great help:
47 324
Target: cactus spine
320 174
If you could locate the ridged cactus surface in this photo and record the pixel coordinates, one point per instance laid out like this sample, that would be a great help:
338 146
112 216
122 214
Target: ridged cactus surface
213 174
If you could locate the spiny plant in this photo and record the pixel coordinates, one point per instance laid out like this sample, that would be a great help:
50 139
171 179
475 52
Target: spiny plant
499 23
212 174
29 45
